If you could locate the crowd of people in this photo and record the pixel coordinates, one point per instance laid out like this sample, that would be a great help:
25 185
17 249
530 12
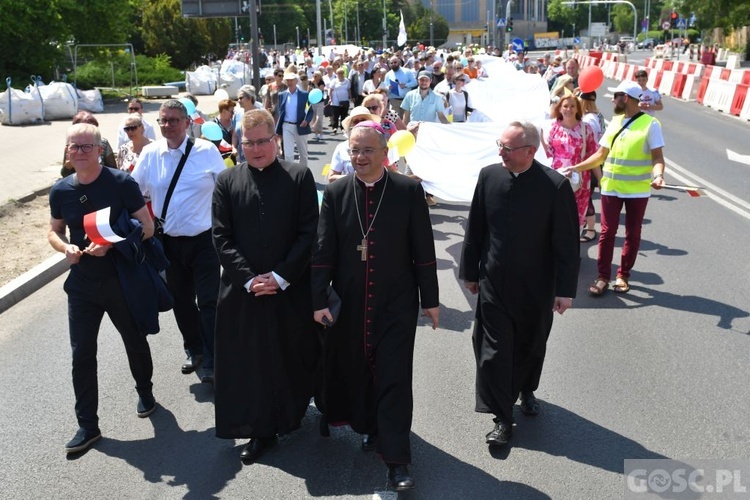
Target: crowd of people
257 267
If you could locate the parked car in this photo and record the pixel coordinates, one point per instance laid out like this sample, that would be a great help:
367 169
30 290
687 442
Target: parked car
647 43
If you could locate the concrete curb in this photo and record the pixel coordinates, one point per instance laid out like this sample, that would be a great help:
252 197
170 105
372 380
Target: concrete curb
32 280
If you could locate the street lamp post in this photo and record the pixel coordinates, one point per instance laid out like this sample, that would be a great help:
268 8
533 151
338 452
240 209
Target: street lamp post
275 47
385 30
297 27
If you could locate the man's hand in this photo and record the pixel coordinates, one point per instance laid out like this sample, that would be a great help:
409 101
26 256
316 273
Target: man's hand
303 124
472 286
73 254
96 250
264 284
658 182
323 313
434 314
562 304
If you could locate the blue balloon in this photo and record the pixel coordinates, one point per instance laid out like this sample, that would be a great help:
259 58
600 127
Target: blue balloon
188 105
211 131
318 60
315 96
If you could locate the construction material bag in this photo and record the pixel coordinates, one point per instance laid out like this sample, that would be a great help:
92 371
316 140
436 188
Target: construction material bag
90 100
21 108
202 81
60 101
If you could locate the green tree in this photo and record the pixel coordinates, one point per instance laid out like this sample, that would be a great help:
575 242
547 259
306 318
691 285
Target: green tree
727 14
187 41
419 28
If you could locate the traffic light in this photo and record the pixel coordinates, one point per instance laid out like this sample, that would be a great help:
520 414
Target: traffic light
509 26
673 19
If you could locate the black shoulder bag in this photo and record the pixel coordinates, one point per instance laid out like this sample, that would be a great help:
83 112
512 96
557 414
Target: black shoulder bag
627 124
159 221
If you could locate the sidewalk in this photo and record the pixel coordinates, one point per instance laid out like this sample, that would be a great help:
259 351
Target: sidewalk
32 157
32 154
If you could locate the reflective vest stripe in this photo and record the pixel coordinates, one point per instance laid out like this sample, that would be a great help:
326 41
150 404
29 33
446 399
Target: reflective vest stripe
625 177
629 163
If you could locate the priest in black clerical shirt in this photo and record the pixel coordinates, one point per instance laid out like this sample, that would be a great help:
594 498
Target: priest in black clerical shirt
520 253
375 246
265 215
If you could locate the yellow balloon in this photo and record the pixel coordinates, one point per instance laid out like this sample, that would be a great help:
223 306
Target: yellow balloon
403 141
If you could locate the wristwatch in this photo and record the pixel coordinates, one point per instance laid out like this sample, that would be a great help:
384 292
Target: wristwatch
658 176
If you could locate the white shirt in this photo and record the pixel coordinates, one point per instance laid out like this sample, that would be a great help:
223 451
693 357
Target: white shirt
651 97
189 211
122 136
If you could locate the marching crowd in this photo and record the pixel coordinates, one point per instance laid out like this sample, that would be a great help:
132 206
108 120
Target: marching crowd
279 300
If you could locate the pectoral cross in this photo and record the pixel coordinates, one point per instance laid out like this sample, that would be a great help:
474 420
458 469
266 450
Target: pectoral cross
363 249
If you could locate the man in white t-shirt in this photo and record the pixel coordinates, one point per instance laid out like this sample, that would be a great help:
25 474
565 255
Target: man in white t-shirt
650 99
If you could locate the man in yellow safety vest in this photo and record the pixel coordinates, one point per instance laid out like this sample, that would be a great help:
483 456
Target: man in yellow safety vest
631 151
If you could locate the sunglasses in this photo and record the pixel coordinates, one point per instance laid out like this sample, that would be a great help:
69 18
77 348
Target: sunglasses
130 128
133 109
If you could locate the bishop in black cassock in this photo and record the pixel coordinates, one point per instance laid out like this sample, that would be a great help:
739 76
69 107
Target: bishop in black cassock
265 215
375 245
520 253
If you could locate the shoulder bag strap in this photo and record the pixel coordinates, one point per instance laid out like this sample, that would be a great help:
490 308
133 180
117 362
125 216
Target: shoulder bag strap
583 136
176 176
627 124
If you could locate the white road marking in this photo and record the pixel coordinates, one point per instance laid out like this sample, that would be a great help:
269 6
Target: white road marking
732 156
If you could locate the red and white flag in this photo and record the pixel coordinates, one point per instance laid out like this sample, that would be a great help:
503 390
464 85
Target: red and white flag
197 118
97 227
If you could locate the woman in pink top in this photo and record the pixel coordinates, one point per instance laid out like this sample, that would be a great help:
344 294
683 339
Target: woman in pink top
570 141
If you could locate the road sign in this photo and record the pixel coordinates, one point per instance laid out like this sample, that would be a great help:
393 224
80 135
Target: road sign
598 29
576 40
665 25
681 24
213 8
501 22
518 45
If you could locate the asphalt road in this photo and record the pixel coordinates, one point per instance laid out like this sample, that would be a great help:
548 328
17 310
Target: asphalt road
658 373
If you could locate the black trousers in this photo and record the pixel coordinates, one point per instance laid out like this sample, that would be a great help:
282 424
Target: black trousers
193 275
88 300
339 113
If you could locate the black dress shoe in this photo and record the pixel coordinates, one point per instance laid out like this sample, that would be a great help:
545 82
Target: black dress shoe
500 435
207 375
146 405
192 363
369 442
83 440
399 477
529 403
255 448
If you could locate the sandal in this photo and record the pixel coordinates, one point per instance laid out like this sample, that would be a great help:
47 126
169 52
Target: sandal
599 287
585 238
621 285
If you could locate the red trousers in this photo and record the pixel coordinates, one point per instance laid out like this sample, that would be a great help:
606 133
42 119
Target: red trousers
635 209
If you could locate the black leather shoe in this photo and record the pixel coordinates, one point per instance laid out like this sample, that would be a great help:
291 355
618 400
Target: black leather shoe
500 435
207 375
146 405
255 448
399 477
192 363
529 403
82 440
369 442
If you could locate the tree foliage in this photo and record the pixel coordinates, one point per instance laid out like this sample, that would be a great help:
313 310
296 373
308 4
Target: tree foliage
727 14
185 40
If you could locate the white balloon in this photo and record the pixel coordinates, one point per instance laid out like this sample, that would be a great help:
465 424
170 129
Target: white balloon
221 94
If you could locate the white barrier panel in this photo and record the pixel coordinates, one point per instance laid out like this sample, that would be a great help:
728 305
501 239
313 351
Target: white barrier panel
630 71
692 85
716 73
652 78
736 76
745 112
667 80
620 74
659 64
719 95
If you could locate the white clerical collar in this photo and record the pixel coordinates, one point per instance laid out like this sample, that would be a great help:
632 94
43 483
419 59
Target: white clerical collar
371 184
517 174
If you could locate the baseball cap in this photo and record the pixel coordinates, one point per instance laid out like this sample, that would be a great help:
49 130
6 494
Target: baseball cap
588 96
427 74
628 87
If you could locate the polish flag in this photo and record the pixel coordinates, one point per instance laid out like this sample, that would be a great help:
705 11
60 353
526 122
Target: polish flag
98 230
197 118
225 147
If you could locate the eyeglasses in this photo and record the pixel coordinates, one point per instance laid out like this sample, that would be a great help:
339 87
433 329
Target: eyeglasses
508 149
260 142
373 108
130 128
133 108
85 148
367 152
169 121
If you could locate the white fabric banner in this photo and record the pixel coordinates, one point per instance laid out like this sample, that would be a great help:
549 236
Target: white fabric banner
448 158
